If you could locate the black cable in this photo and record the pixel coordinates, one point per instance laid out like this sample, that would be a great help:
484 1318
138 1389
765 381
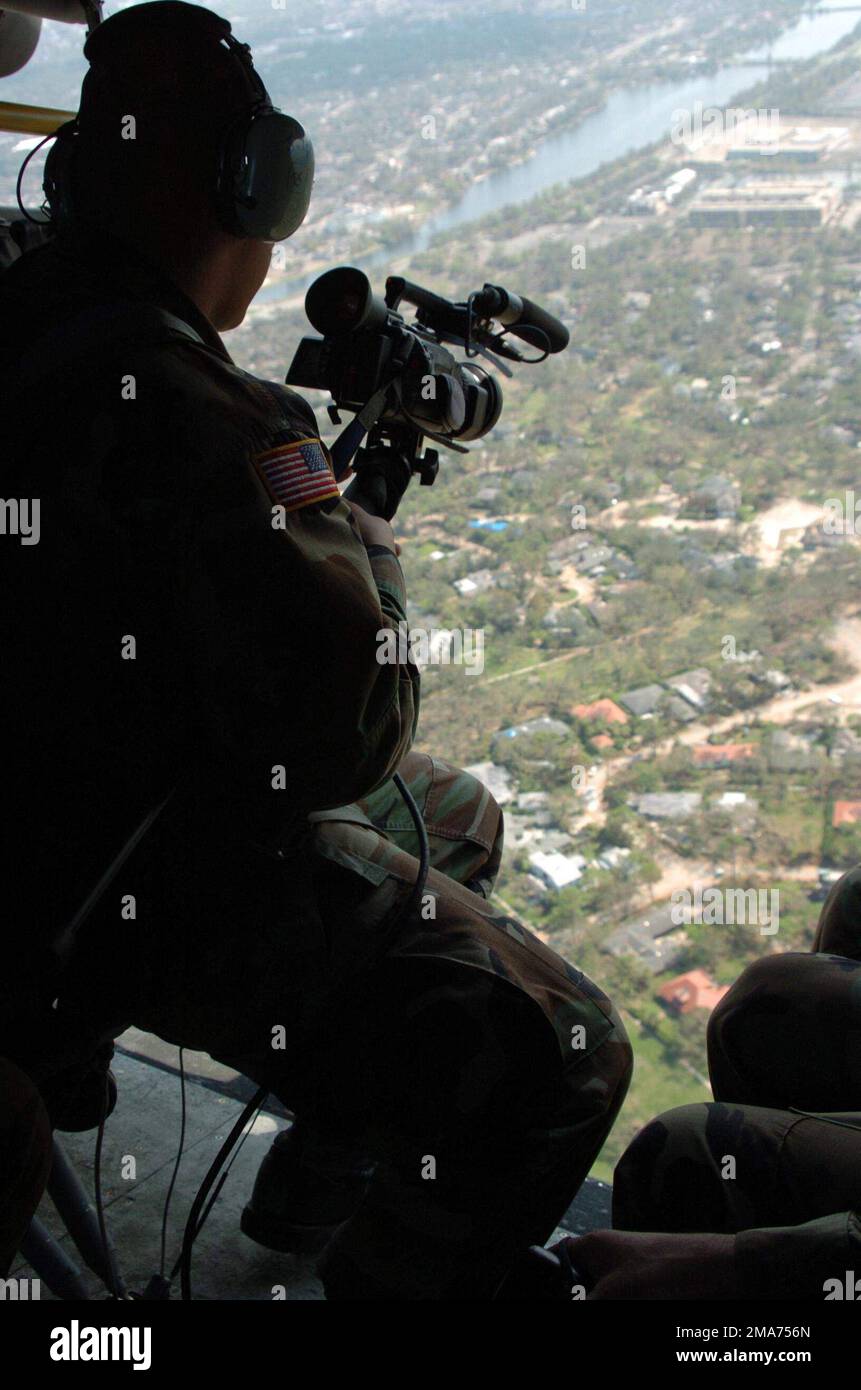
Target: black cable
178 1161
226 1174
497 341
192 1225
39 221
218 1188
415 898
826 1119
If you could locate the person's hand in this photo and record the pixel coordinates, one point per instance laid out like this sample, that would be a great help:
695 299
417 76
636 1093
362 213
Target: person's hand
374 530
632 1265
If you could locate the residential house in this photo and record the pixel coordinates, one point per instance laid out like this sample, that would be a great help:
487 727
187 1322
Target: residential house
723 754
845 747
789 752
694 990
613 857
693 686
498 780
476 583
667 805
543 724
607 711
645 700
716 496
655 938
557 871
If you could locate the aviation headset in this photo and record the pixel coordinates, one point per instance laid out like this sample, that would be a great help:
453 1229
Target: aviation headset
265 169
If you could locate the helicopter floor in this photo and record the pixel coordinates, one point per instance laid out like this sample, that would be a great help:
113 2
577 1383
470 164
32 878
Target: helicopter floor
139 1152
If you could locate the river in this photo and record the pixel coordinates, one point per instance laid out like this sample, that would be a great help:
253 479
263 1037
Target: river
631 119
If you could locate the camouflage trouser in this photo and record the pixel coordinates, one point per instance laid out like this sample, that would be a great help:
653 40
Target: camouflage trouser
484 1116
479 1071
462 819
785 1039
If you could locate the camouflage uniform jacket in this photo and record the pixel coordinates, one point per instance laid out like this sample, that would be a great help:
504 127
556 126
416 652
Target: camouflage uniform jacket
190 507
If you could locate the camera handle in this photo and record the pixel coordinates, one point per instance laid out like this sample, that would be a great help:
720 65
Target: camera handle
383 472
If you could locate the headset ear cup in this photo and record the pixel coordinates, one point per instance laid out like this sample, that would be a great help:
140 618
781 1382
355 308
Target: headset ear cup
58 177
266 171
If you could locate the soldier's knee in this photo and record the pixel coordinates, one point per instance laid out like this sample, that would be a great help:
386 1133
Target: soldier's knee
755 994
763 975
663 1160
663 1138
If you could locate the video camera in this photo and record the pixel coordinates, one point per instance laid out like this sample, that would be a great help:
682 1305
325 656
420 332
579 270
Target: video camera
400 382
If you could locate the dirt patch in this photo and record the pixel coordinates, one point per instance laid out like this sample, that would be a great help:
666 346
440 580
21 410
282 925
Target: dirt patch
770 532
571 579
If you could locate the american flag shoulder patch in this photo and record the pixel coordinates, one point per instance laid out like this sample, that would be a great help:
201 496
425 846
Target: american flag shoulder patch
297 472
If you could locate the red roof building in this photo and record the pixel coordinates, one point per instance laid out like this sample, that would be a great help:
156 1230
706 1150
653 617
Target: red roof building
846 813
695 990
722 754
605 710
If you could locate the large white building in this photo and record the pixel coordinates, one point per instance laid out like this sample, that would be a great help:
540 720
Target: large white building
557 870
